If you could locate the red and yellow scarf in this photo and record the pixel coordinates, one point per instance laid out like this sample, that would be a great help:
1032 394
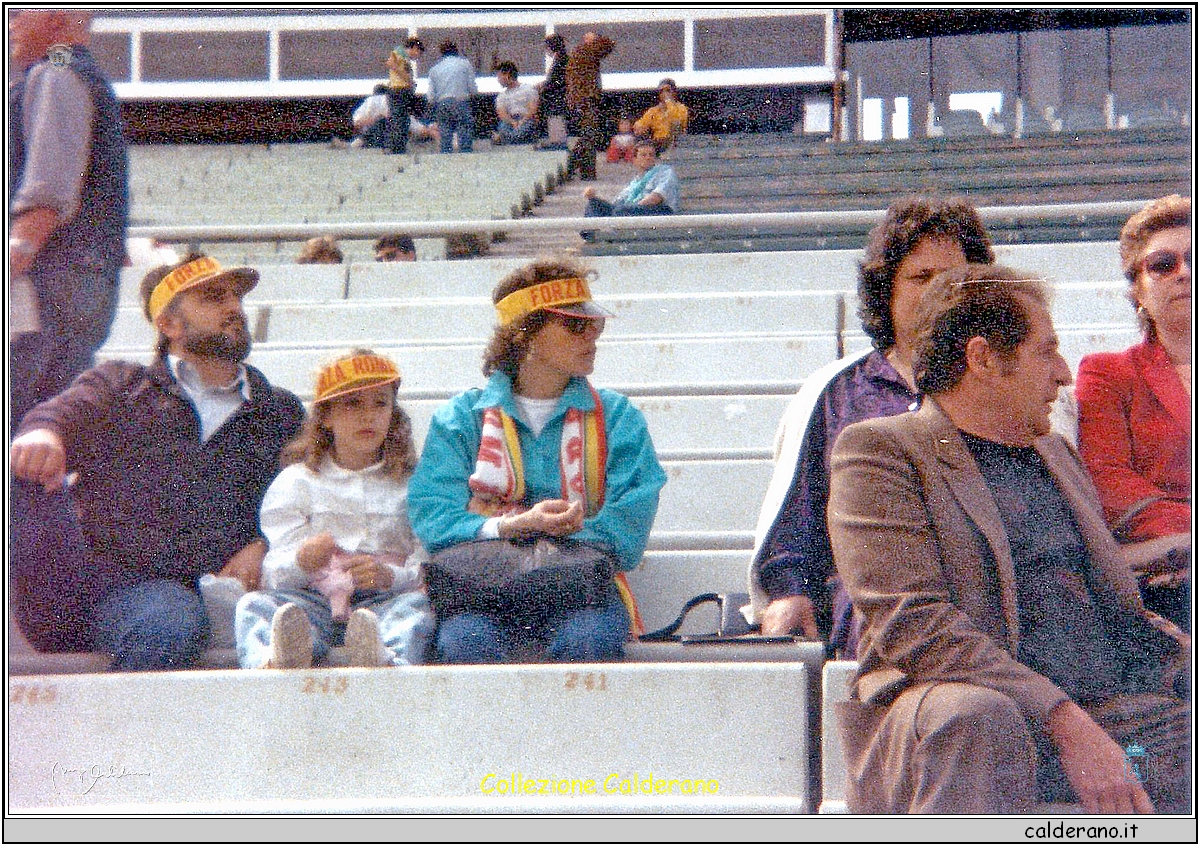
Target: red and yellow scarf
498 483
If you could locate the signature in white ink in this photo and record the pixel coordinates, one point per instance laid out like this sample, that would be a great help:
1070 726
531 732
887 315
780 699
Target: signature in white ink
84 778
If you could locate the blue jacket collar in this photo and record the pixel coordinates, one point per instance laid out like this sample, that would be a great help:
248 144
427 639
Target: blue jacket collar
499 392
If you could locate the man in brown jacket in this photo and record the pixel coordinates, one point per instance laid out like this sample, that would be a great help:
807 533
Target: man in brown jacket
1006 655
584 97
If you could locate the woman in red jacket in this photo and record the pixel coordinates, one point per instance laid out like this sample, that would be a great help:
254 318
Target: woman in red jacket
1135 423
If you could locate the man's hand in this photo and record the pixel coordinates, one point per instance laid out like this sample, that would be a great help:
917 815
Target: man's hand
789 615
315 552
555 517
39 457
589 192
26 237
1094 764
246 564
368 573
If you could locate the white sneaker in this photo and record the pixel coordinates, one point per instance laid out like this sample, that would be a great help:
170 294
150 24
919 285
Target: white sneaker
291 639
363 642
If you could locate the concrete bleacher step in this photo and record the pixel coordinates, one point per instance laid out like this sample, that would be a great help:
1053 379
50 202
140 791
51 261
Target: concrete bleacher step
1073 342
618 276
713 495
413 740
620 364
666 579
678 424
659 315
286 283
725 364
615 276
460 319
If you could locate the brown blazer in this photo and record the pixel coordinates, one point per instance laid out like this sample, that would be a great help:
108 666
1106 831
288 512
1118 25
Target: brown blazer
583 70
920 545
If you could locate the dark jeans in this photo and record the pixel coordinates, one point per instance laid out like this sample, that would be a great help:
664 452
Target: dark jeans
376 135
399 107
595 633
603 208
77 300
526 132
455 116
1154 731
591 130
152 625
66 599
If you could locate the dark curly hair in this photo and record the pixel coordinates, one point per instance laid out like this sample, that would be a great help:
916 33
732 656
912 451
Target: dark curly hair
509 344
906 223
981 300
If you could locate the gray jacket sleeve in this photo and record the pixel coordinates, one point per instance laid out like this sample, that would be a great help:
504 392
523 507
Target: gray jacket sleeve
57 122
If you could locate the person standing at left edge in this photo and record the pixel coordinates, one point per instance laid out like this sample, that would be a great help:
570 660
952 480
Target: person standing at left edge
68 200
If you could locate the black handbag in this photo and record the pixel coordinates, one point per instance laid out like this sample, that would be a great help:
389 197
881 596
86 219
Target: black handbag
521 582
732 627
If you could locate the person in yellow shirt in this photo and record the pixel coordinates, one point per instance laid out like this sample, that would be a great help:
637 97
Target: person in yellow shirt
667 120
401 90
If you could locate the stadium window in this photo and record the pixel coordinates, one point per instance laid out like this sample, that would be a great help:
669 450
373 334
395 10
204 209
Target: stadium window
872 119
900 118
818 114
984 102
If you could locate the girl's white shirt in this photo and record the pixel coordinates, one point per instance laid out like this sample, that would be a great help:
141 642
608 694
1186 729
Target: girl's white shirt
366 511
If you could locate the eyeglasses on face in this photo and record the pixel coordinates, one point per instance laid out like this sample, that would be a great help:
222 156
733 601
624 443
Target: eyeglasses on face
1162 263
580 325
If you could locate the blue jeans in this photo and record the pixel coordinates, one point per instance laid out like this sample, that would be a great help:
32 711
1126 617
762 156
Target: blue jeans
376 136
55 582
595 633
153 625
455 116
603 208
523 133
77 301
405 623
399 105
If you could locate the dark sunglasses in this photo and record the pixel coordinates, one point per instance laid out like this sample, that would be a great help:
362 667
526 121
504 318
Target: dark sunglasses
1162 263
580 325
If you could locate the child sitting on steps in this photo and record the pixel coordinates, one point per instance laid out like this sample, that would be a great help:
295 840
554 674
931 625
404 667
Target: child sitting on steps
336 522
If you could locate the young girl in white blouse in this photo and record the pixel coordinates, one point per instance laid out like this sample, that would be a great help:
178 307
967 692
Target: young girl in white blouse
343 563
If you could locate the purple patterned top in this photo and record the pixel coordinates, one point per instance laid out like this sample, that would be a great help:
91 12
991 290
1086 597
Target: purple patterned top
796 558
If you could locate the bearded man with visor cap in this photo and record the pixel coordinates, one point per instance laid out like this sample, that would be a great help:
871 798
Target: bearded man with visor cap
169 463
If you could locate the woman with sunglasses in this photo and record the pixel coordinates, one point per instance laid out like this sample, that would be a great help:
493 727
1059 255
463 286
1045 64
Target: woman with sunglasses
538 463
1135 424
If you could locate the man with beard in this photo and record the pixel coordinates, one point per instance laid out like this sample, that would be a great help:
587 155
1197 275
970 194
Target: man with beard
170 462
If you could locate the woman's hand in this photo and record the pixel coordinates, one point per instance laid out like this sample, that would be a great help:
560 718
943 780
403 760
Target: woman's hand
555 517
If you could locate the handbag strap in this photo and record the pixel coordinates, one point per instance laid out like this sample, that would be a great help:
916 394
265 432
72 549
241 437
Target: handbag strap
668 632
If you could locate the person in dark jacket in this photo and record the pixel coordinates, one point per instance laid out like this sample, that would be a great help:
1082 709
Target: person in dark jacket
553 95
68 200
584 97
170 462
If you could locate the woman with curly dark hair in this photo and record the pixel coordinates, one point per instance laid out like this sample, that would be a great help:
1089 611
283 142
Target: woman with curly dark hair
537 467
792 578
